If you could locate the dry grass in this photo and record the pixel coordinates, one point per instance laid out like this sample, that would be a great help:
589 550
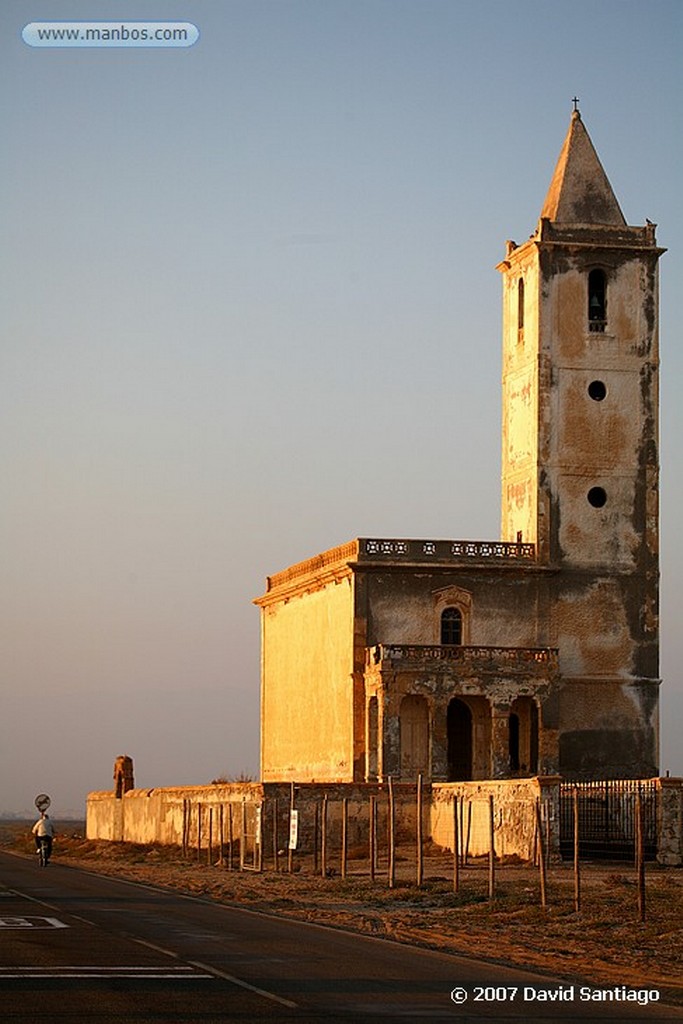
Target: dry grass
605 943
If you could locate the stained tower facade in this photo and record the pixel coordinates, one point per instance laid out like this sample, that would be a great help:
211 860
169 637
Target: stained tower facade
580 466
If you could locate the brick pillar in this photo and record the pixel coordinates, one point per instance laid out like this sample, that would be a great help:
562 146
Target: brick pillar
549 793
123 775
670 822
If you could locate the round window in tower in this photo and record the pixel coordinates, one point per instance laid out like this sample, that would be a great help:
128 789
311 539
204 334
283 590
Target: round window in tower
597 497
597 390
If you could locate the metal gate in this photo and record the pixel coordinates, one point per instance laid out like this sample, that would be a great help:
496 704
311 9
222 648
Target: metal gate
607 829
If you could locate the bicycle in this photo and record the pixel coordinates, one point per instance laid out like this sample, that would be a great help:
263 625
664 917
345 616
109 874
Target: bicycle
43 851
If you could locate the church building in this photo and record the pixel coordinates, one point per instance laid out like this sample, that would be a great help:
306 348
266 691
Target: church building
537 653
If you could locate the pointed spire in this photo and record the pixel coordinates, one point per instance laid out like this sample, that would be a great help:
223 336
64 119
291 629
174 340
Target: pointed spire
580 192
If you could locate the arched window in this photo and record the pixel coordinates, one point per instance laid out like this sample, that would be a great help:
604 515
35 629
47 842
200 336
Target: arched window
520 304
451 626
597 301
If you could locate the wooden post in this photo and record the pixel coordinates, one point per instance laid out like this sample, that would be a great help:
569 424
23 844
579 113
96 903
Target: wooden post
221 835
243 832
259 836
209 853
456 843
316 836
541 853
231 838
344 835
276 851
372 827
640 855
392 835
469 828
418 831
492 850
199 831
577 873
290 851
323 838
184 840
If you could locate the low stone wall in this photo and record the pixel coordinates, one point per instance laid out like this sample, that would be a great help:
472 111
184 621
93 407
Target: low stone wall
514 816
159 815
192 816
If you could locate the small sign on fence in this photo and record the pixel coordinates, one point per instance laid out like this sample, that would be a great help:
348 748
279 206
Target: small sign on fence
293 829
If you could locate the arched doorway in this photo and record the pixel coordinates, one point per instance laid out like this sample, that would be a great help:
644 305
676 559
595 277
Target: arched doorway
524 736
459 731
414 724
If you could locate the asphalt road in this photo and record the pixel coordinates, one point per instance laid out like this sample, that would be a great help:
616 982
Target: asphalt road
78 947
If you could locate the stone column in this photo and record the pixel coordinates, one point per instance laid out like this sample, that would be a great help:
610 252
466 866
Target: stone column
500 741
372 737
670 822
439 740
389 726
548 735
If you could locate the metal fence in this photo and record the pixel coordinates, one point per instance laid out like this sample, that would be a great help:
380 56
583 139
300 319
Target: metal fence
607 819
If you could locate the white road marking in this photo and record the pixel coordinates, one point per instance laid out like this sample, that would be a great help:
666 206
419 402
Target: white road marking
25 896
157 949
244 984
98 967
103 973
31 922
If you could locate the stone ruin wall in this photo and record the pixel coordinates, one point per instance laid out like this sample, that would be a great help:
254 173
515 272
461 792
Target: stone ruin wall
171 816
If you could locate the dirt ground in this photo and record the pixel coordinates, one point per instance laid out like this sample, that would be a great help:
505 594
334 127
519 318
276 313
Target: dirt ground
605 943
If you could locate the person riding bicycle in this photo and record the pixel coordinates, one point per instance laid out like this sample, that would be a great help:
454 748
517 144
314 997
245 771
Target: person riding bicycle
44 831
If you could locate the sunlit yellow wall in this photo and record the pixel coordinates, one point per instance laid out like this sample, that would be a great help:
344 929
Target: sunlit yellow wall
519 509
307 686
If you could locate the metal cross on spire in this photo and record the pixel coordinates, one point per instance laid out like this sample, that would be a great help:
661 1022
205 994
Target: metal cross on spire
575 101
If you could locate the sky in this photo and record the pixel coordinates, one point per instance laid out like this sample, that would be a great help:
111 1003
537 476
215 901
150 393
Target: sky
250 311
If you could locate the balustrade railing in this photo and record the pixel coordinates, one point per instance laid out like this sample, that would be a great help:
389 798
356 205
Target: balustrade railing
425 550
508 657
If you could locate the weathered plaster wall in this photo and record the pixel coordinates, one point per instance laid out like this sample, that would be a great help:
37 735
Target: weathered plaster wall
609 729
156 815
307 723
599 442
499 609
514 815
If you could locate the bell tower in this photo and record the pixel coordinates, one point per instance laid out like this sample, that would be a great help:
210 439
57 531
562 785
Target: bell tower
580 452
